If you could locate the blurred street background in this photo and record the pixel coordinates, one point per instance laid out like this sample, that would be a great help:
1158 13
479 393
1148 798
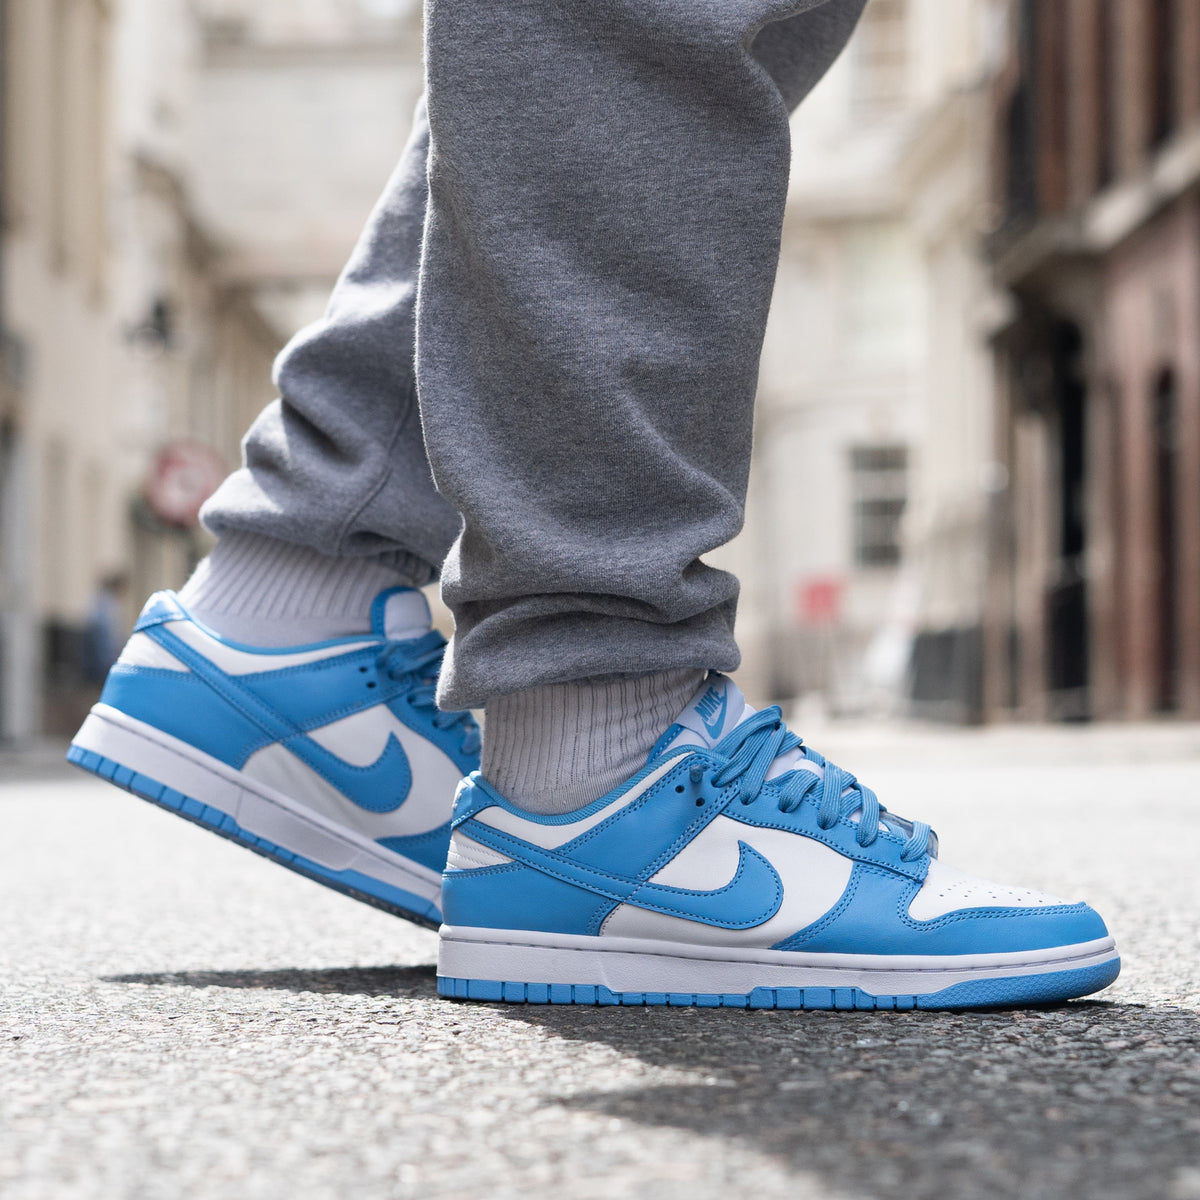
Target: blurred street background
973 495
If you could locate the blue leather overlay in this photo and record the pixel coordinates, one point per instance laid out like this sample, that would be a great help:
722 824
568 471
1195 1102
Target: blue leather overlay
185 707
429 849
872 918
381 786
317 693
515 897
751 897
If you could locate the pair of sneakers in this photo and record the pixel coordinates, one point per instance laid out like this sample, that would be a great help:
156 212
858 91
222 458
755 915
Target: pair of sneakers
737 868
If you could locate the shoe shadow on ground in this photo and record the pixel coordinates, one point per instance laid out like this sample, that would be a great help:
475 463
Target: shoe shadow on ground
1090 1099
347 981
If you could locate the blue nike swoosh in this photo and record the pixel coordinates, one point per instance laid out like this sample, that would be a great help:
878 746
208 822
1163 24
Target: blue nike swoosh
380 787
751 897
714 727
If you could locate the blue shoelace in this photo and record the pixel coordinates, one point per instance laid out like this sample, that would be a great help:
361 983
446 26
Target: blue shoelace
420 659
756 743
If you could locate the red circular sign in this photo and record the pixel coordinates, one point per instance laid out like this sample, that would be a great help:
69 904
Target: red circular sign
183 476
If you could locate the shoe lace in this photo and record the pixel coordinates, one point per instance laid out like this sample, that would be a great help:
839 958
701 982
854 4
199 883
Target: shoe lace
420 660
754 745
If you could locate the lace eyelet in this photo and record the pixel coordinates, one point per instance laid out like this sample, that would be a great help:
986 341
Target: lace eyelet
679 787
699 801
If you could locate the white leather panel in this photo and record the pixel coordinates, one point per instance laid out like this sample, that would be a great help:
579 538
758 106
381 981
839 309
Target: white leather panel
361 738
143 651
428 804
946 889
466 854
246 662
550 836
814 878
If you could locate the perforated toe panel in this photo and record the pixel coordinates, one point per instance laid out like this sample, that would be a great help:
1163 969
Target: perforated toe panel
946 890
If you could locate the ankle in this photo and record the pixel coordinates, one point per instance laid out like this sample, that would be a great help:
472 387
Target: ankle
267 592
557 748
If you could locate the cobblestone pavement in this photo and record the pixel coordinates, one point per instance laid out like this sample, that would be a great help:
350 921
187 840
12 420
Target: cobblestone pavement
179 1018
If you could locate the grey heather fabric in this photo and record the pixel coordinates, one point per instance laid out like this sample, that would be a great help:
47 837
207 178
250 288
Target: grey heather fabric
557 748
606 184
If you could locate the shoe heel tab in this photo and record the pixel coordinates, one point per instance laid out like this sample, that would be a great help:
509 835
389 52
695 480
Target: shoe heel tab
159 609
474 795
400 613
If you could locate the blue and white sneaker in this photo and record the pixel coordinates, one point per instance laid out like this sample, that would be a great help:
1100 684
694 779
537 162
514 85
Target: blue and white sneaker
741 869
330 758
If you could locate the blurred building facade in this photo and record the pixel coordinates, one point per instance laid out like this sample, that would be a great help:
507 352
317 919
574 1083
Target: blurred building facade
979 410
1094 593
182 180
863 560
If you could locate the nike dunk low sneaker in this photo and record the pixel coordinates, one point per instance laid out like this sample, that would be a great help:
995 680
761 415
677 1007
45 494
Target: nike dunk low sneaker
332 759
741 869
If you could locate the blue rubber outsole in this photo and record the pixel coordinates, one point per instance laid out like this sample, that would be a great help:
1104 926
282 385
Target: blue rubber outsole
396 901
1048 988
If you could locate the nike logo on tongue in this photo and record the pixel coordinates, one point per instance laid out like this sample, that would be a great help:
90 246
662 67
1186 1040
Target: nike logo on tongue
712 707
717 709
711 713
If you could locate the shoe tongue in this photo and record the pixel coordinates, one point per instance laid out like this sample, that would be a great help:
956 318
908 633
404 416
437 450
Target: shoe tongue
400 614
711 713
716 709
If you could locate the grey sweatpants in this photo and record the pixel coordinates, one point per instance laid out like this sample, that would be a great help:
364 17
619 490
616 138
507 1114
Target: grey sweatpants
581 242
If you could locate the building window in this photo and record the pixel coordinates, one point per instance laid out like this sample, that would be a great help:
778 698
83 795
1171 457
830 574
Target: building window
1020 132
881 308
1163 33
1106 78
78 228
879 492
881 58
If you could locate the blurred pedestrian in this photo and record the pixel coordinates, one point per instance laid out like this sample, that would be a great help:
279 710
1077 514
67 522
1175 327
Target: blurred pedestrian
106 630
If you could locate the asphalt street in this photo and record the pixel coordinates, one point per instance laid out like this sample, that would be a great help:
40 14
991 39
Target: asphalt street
179 1018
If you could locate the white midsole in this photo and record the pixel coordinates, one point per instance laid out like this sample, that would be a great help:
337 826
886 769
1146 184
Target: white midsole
262 810
642 965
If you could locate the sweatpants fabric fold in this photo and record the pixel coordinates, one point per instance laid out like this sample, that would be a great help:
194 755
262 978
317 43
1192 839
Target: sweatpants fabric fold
601 216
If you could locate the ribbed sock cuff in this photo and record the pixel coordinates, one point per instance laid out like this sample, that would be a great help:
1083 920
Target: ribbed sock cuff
555 749
266 592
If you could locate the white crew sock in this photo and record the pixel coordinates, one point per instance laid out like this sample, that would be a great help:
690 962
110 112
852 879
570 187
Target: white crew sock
556 749
265 592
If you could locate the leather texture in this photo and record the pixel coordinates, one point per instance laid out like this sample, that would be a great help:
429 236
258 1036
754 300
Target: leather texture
326 724
670 857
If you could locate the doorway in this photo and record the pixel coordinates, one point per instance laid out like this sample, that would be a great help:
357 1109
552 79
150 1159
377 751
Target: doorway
1164 416
1068 593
